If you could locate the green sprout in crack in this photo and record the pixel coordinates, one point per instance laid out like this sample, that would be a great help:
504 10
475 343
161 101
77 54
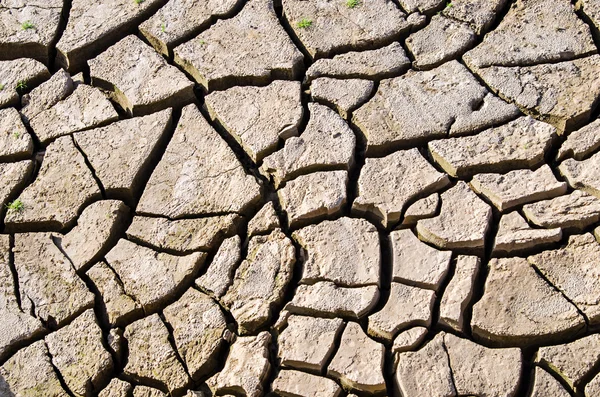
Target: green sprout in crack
1 86
21 85
16 205
304 23
449 4
202 42
27 25
163 28
139 1
352 3
16 134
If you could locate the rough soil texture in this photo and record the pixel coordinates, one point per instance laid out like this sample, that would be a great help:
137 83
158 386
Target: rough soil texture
299 198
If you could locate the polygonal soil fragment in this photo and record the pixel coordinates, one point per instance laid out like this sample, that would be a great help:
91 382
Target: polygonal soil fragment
78 354
327 143
87 107
258 117
46 95
421 209
145 391
139 79
522 143
584 175
152 277
117 388
480 371
300 384
250 47
514 188
534 32
463 221
420 106
308 342
265 221
197 185
13 177
414 262
425 372
442 40
572 361
327 299
63 185
261 280
18 75
581 143
546 385
574 211
459 293
593 388
120 307
219 275
519 308
15 141
184 235
406 307
96 231
344 251
16 326
198 325
313 196
121 153
247 367
48 284
358 363
28 372
563 94
386 185
335 27
479 14
151 356
420 5
575 271
409 339
344 95
515 235
29 28
116 343
92 27
179 20
371 64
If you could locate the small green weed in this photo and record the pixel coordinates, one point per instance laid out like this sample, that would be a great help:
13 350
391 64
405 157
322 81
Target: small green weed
139 1
352 3
163 28
16 205
304 23
21 85
449 4
202 42
27 25
1 86
16 134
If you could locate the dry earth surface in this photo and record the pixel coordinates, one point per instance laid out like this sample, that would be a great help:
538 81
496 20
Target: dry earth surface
331 198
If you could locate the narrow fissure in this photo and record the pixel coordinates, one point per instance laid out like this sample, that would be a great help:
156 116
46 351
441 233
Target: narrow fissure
581 313
64 20
59 376
452 378
90 168
173 344
13 270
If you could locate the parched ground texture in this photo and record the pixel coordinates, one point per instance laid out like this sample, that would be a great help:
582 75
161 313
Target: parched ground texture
327 198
